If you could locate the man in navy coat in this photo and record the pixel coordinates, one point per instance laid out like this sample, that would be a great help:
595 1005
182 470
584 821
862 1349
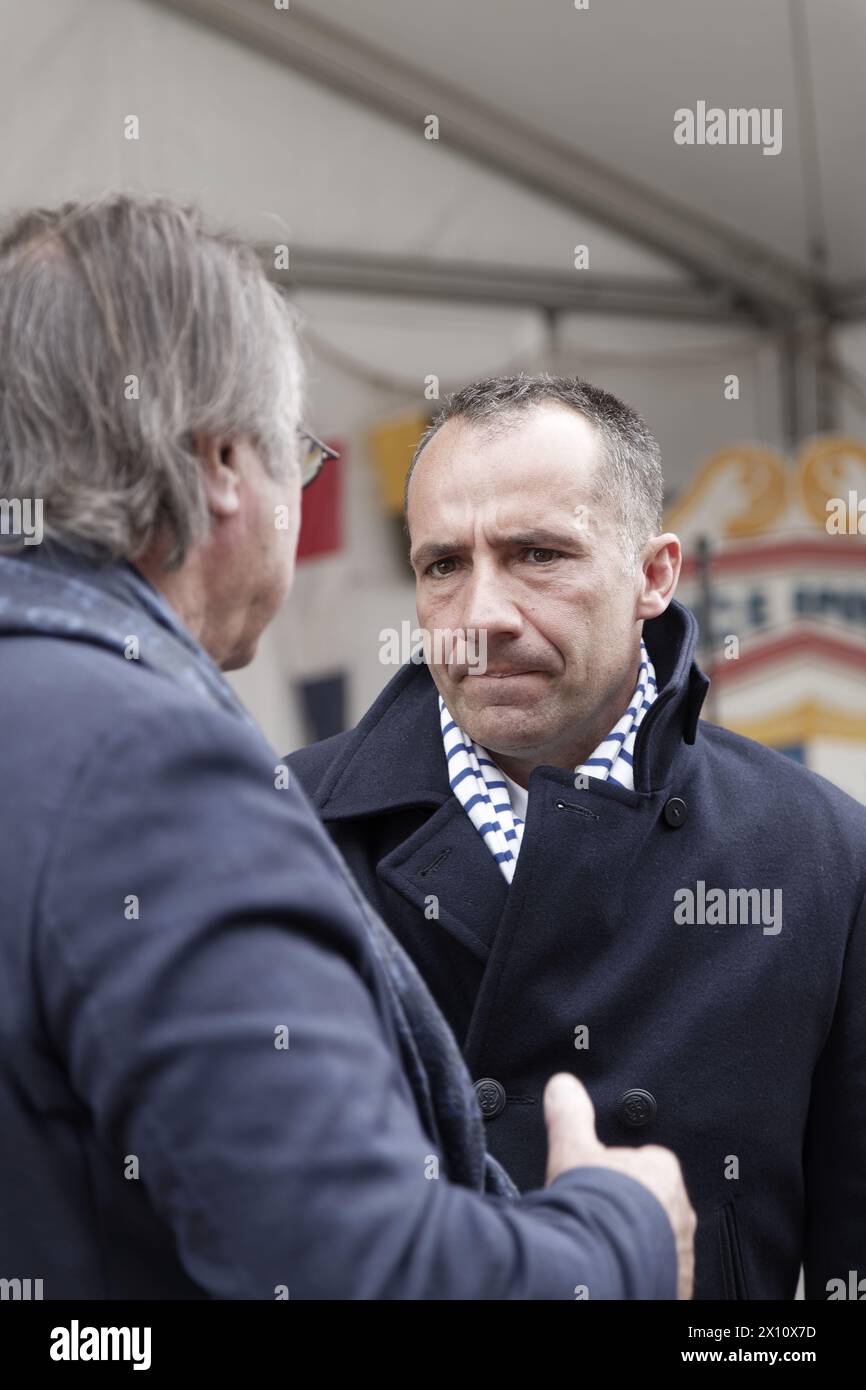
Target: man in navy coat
587 876
221 1076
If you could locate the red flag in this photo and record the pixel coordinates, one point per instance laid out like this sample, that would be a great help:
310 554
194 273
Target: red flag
322 509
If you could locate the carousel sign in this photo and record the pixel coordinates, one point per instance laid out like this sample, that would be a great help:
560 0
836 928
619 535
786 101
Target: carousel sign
775 569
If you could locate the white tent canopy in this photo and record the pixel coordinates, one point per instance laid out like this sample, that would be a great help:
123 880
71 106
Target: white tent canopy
456 257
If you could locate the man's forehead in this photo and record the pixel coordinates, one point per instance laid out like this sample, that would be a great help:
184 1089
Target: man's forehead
499 519
513 431
540 460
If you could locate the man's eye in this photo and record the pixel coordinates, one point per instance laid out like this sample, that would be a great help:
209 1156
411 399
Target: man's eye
540 556
436 569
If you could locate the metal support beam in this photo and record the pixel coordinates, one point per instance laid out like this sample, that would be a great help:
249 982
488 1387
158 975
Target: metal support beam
351 67
809 378
848 301
470 282
824 367
789 388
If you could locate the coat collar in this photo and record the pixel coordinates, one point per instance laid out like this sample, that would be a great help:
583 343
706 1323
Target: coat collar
394 758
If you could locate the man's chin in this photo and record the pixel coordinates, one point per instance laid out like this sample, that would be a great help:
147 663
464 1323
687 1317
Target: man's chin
508 729
241 655
259 618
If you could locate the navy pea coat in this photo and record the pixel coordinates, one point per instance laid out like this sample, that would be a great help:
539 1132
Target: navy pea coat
738 1043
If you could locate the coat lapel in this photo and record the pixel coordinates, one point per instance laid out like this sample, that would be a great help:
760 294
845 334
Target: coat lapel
446 872
396 761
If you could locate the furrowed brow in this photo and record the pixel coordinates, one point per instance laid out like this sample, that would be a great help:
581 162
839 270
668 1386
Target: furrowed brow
432 550
547 540
553 540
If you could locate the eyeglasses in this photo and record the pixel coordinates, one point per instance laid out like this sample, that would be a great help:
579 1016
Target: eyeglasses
314 455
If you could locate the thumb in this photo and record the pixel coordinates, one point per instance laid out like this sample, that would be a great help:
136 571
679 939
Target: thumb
570 1119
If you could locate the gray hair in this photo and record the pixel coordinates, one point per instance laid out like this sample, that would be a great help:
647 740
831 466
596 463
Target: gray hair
126 329
629 476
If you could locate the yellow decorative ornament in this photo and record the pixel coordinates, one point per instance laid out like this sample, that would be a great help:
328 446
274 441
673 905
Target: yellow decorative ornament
757 475
825 472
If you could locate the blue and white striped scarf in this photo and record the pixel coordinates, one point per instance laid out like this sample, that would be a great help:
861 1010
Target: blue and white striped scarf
480 788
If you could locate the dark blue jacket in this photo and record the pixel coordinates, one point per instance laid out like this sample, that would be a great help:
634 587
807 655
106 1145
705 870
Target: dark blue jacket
749 1045
169 921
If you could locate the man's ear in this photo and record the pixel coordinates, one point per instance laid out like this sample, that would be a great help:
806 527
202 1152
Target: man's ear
662 562
219 463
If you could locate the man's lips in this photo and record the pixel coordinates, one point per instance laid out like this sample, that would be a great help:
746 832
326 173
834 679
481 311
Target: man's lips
503 675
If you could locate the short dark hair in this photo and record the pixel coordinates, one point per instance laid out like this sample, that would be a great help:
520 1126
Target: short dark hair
629 475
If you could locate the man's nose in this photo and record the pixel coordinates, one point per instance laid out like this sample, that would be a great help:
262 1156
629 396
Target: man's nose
488 605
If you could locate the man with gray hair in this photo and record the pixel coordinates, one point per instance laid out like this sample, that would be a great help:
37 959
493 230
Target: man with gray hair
221 1075
587 876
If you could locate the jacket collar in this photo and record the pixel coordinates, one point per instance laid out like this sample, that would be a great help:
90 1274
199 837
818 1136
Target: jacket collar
59 592
394 758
